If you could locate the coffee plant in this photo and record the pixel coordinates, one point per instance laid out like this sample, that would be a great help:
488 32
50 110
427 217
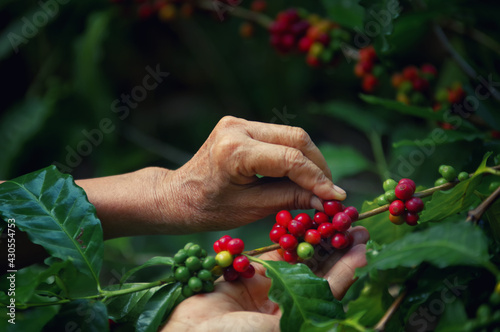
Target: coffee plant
416 81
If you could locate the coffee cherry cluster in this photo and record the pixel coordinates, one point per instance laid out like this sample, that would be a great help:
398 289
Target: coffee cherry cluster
364 68
193 268
403 208
318 38
449 174
230 259
298 235
413 84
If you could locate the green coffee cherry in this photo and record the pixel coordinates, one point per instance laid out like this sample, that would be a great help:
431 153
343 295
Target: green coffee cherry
209 262
194 250
493 186
181 256
195 284
390 196
208 286
440 181
203 253
205 275
381 200
389 184
188 245
182 274
193 263
224 258
187 291
462 176
305 250
448 172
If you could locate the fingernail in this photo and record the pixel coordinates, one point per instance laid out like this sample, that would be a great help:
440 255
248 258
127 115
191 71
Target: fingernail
316 203
339 191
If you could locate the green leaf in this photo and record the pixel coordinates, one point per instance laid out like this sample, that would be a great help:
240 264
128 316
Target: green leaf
420 112
440 136
453 318
32 320
442 245
349 14
159 306
82 315
344 161
151 262
302 297
380 14
57 215
493 216
372 302
128 307
352 114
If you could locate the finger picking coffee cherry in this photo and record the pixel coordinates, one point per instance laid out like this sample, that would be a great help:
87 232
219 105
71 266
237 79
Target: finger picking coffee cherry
341 222
341 240
223 241
352 212
320 217
241 263
397 208
332 207
288 242
404 191
230 274
326 230
414 205
235 246
305 219
290 256
283 218
411 218
276 234
313 236
296 228
249 272
397 220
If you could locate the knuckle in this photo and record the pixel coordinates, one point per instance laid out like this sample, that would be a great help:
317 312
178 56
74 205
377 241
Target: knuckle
228 121
225 148
301 137
294 158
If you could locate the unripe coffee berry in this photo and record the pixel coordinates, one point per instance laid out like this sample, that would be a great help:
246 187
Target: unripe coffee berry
193 263
187 291
195 284
404 191
296 228
414 205
224 258
397 208
182 274
276 234
305 250
208 263
194 250
462 176
326 230
181 256
332 207
188 245
288 242
389 184
241 263
208 286
440 182
396 220
313 236
283 218
381 200
341 222
390 196
235 246
204 275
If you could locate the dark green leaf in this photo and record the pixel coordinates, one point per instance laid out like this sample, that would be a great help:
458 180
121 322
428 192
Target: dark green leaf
380 15
346 13
493 216
57 215
345 160
151 262
421 112
372 302
32 320
303 297
442 245
128 307
158 306
440 136
83 315
454 317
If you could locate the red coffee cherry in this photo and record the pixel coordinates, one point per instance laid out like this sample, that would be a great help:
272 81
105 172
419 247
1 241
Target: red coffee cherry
288 242
428 68
332 207
296 228
352 212
217 248
397 208
223 241
370 82
305 219
414 205
241 263
249 272
409 182
326 230
420 84
341 240
341 222
276 234
410 73
290 256
283 218
404 191
313 236
411 218
235 246
305 44
320 217
397 220
230 274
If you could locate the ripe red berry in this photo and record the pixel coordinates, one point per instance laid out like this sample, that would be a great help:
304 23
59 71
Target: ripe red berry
323 38
404 191
410 73
313 61
235 246
313 236
414 205
411 218
217 248
296 228
332 207
283 218
428 68
367 66
320 217
258 5
367 54
277 27
276 234
341 222
288 242
326 230
370 82
352 212
249 272
305 219
223 241
299 28
409 182
397 208
290 256
341 240
241 263
420 84
305 44
358 70
230 274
